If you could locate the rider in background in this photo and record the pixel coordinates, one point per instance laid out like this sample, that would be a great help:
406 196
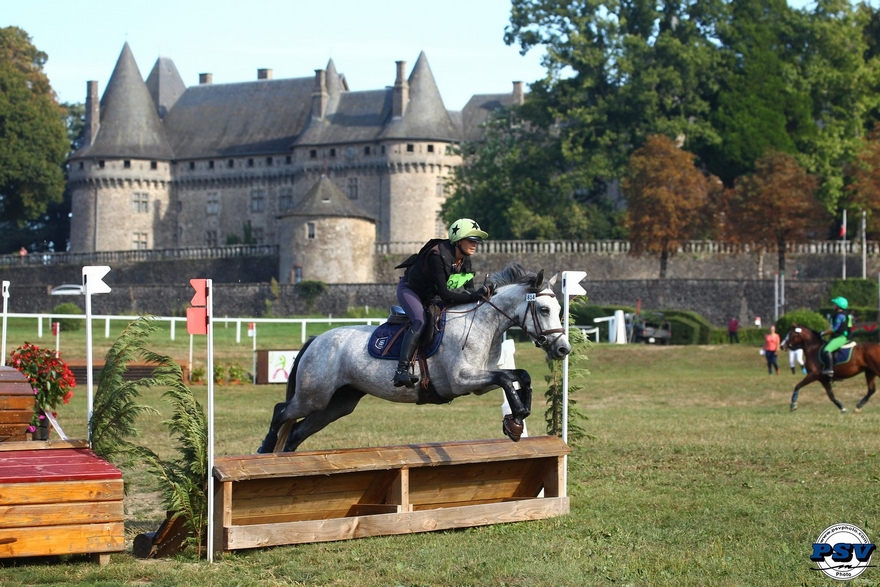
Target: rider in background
441 270
841 326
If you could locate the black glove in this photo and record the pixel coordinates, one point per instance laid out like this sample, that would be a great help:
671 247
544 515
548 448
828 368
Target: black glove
484 292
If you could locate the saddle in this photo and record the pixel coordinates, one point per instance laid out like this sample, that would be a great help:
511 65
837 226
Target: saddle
841 355
385 343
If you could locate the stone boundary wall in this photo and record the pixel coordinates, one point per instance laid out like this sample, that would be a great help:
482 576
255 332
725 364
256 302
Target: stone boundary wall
716 299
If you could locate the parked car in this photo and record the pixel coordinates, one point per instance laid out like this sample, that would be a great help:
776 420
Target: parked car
651 329
68 289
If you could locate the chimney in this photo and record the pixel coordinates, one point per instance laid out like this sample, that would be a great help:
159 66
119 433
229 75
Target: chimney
206 79
401 91
518 97
319 94
93 112
264 74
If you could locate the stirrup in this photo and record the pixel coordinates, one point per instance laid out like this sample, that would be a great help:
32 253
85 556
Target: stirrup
402 377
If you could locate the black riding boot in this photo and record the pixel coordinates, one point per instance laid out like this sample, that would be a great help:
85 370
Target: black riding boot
407 349
829 364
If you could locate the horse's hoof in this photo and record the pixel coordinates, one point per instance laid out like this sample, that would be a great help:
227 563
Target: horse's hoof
511 428
842 410
793 406
857 410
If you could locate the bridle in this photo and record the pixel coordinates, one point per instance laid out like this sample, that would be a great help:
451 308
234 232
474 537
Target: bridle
540 337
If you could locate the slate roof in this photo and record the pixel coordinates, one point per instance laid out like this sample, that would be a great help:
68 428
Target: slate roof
130 125
163 119
325 200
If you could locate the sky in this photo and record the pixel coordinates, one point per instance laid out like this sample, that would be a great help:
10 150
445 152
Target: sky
462 39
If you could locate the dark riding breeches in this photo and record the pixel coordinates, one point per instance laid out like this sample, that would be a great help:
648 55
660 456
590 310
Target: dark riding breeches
411 304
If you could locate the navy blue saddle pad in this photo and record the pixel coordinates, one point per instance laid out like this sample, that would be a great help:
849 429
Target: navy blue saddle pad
841 355
385 334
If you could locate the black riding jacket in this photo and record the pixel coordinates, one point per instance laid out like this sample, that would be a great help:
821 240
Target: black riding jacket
427 273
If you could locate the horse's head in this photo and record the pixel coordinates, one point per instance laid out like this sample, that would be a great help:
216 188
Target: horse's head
798 336
530 303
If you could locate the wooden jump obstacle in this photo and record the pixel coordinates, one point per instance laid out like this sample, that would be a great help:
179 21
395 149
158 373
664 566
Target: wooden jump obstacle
320 496
57 497
16 405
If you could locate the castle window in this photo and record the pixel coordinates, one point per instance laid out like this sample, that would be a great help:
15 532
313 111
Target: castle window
288 160
441 186
213 201
353 188
310 229
449 149
297 274
440 230
192 165
367 150
230 163
211 164
313 154
410 148
258 201
80 164
140 203
101 164
126 164
269 161
430 148
285 199
211 238
250 162
333 152
383 149
139 241
154 165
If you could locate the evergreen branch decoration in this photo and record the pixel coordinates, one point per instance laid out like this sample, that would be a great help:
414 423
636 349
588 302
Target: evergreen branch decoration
554 394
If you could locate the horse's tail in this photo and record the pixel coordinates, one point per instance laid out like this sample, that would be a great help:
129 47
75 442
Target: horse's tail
291 379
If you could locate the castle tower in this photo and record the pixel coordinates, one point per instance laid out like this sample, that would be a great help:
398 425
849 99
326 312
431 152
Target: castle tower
120 180
327 237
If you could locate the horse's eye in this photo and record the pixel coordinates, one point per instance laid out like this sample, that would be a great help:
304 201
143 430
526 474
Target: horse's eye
545 310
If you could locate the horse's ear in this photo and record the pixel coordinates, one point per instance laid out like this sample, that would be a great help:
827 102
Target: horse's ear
539 280
552 281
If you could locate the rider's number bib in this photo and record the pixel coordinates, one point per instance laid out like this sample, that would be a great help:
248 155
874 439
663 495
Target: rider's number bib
457 280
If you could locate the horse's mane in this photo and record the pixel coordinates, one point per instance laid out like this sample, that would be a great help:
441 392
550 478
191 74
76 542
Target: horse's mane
514 273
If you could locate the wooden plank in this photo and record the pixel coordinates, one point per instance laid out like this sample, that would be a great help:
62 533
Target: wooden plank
47 445
257 536
57 540
315 484
24 516
415 455
16 416
61 492
17 402
13 432
312 506
72 464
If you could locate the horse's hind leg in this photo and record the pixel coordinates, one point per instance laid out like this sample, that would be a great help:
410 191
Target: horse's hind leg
870 377
343 402
272 436
834 400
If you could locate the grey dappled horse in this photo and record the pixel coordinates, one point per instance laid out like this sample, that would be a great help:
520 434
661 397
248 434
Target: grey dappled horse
334 370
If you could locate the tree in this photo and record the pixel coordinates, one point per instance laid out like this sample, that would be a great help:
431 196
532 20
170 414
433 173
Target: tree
864 180
509 183
774 206
33 142
668 199
617 72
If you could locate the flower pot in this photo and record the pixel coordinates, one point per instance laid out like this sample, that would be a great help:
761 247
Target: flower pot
42 431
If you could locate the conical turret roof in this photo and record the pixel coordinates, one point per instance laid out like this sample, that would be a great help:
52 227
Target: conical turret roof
165 85
130 125
425 117
324 199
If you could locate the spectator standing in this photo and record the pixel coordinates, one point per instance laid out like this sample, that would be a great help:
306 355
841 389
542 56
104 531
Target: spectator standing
733 330
771 347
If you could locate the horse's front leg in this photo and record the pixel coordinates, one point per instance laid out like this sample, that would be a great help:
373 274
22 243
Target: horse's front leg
812 376
517 387
869 377
826 383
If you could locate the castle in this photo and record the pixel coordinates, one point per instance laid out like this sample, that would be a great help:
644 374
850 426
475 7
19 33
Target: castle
167 166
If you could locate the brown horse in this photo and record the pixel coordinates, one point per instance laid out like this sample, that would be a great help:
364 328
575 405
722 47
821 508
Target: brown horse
865 358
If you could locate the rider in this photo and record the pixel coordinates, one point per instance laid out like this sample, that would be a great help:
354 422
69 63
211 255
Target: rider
440 270
841 326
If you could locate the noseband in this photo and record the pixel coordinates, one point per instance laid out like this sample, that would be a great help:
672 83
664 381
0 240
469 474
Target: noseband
540 337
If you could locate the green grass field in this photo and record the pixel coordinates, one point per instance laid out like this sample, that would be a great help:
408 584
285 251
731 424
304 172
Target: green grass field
697 474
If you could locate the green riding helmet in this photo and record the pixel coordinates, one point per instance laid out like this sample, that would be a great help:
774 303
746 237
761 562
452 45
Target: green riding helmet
465 228
840 303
